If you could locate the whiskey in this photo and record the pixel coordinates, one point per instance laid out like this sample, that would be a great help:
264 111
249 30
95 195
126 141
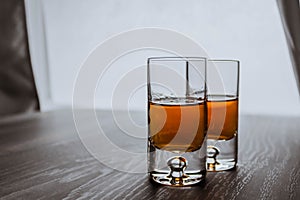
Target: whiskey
222 117
177 125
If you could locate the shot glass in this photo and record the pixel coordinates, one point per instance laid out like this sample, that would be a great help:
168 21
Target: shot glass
223 114
177 120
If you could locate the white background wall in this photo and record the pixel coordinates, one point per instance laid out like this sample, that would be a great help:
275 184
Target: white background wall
248 30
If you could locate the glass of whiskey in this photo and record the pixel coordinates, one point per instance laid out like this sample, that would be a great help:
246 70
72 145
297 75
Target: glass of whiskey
223 114
177 120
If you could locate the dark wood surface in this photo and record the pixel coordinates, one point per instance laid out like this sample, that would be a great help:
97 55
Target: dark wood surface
42 157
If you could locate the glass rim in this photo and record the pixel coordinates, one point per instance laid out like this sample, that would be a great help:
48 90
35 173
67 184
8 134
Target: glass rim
224 60
176 58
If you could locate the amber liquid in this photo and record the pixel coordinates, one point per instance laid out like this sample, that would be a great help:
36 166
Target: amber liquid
222 117
177 125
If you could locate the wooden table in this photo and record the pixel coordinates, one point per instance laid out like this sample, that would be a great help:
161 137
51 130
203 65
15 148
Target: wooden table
42 157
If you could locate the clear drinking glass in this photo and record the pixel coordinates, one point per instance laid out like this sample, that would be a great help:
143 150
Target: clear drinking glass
222 107
177 120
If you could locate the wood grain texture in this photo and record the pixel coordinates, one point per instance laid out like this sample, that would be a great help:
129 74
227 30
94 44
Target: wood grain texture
42 157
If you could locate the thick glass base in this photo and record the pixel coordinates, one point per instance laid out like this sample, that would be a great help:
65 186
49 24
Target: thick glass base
176 168
188 179
221 154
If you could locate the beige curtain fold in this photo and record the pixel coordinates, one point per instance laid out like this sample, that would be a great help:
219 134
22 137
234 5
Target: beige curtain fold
17 86
290 15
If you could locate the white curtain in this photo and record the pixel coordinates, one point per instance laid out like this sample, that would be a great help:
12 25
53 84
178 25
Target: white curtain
38 50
